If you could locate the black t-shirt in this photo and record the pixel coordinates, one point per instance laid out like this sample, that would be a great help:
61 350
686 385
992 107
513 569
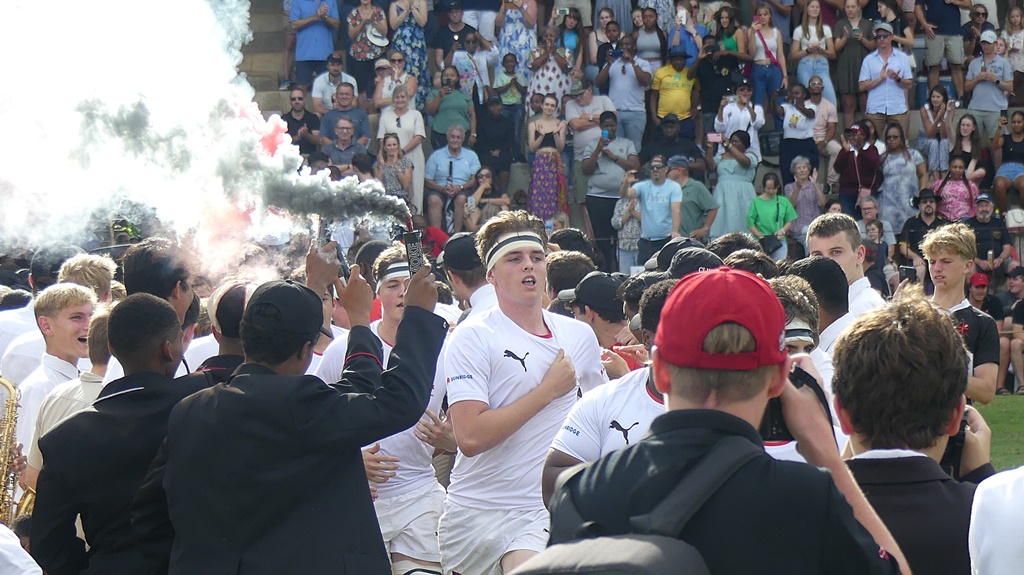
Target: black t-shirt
990 236
980 333
915 229
445 38
968 35
993 307
716 79
681 147
1017 313
311 121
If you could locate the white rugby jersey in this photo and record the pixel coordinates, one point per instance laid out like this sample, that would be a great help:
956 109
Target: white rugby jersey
493 360
414 456
609 418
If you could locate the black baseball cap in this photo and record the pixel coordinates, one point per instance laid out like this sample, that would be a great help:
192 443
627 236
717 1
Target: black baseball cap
297 309
335 57
460 253
662 259
1016 272
46 263
597 290
689 260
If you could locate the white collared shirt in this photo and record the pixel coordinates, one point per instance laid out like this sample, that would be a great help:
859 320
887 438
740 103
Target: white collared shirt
66 399
53 372
863 298
483 299
888 454
14 322
828 337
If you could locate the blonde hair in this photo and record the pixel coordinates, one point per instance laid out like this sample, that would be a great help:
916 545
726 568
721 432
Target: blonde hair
99 350
381 154
92 271
59 297
727 385
955 238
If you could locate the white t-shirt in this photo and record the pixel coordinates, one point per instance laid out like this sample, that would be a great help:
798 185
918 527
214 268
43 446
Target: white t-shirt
994 539
609 418
493 360
581 138
811 37
795 125
324 89
414 468
863 298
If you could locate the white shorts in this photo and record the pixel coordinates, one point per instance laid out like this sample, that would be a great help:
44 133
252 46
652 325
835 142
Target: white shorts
473 541
408 522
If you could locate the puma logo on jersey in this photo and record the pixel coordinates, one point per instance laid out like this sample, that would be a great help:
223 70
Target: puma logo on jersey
625 432
521 360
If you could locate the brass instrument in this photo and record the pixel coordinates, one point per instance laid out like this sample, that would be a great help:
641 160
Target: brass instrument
8 444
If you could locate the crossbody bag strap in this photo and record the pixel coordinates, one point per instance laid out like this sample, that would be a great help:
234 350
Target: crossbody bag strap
768 51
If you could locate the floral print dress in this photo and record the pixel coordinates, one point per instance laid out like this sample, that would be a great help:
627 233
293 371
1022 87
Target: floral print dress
361 48
411 41
516 38
550 79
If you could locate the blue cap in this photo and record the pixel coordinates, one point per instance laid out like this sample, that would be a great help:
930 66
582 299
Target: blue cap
983 197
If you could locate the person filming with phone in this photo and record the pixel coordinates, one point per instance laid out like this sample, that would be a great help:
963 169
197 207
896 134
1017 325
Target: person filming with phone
717 375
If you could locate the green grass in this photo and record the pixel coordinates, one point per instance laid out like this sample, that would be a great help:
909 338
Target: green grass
1005 415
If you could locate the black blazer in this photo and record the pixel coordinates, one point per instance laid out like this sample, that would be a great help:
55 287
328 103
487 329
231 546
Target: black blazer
264 474
94 462
927 511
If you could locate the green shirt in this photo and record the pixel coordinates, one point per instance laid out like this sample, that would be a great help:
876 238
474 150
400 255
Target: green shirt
454 110
697 202
770 215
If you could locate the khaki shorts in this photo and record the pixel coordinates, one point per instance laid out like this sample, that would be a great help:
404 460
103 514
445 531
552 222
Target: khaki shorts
578 193
473 541
584 6
952 47
408 522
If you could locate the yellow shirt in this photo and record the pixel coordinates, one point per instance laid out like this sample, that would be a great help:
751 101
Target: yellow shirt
674 91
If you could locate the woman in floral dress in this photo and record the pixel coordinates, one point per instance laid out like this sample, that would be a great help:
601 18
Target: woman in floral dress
410 39
550 65
516 35
361 51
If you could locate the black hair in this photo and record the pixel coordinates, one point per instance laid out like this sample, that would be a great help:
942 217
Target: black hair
46 264
22 525
753 261
193 311
367 254
652 302
828 280
743 136
724 245
318 157
155 266
560 307
15 299
267 345
607 116
571 239
362 162
632 290
138 324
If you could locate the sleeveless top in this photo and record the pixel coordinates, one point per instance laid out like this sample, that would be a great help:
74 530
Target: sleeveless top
770 39
648 46
729 42
548 141
1013 152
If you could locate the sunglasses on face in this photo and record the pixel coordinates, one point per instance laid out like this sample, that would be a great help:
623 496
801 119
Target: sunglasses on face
882 36
484 177
299 99
397 60
657 166
816 84
981 14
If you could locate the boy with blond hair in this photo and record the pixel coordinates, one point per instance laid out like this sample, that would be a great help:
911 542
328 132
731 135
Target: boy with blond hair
62 313
950 251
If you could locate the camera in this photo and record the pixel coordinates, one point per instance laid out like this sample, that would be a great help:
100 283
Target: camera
773 425
446 83
711 48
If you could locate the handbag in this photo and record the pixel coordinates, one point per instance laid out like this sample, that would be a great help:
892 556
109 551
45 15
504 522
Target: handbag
771 243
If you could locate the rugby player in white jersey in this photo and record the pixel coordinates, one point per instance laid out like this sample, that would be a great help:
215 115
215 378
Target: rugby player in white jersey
409 498
514 373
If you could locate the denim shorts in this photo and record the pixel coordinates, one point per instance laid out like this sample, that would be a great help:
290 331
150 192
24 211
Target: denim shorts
1011 171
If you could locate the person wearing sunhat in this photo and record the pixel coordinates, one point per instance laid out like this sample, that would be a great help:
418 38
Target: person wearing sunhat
858 167
739 113
914 229
886 76
989 79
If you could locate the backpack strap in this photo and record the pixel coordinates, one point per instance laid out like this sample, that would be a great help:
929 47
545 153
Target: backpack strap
723 460
567 522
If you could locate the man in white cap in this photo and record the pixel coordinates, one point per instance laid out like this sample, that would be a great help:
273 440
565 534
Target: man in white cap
989 77
886 76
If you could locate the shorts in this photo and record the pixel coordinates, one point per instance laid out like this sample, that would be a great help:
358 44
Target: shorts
1011 171
473 541
306 70
578 191
952 47
584 6
408 522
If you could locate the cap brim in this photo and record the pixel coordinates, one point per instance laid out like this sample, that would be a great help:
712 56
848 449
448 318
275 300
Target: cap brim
651 265
567 295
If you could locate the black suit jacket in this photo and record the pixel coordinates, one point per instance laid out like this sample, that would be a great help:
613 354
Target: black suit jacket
264 474
927 511
94 462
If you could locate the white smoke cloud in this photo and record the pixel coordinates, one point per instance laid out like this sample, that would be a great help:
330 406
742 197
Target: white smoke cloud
124 104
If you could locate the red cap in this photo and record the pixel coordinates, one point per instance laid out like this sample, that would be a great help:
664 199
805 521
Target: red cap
705 300
979 279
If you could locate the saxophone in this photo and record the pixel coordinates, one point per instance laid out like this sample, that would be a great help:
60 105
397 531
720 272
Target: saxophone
8 444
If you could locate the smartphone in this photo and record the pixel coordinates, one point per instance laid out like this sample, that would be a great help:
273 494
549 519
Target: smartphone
1005 114
604 134
731 98
471 204
562 12
681 16
715 137
414 251
773 425
446 82
908 273
757 19
616 53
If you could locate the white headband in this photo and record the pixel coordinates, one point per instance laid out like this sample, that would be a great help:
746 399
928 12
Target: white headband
512 242
397 270
799 330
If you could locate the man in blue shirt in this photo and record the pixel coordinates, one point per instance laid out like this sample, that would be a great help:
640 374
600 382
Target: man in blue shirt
660 201
314 22
449 177
940 20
